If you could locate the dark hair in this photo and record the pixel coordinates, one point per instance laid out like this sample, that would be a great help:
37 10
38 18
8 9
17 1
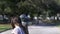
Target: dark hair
15 20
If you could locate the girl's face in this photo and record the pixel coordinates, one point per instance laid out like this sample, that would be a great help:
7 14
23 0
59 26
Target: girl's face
17 24
16 21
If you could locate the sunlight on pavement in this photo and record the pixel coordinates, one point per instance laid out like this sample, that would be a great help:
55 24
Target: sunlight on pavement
39 30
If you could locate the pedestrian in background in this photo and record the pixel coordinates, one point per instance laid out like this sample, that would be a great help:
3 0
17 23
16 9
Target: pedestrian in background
25 21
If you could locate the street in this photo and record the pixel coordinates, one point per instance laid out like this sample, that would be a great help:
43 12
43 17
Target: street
39 30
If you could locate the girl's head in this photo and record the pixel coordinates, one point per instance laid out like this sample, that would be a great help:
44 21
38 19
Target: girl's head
16 21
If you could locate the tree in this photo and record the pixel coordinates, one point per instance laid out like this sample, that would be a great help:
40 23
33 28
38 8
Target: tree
17 7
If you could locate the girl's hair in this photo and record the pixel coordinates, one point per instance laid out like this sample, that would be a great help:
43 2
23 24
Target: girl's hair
15 20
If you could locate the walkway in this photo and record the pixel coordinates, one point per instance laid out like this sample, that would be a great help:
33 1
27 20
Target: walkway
39 30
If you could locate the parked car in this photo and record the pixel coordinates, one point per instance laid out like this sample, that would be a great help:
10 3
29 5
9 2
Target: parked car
4 19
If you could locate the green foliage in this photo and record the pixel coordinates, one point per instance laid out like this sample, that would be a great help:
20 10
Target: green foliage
17 7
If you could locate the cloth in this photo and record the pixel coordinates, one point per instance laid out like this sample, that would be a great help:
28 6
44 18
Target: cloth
18 30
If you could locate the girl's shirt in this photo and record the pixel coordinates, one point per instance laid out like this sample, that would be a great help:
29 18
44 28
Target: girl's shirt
18 30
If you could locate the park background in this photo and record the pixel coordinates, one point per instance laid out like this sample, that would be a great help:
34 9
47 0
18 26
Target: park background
40 12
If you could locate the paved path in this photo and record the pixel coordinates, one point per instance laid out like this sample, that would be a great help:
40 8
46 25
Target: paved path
40 30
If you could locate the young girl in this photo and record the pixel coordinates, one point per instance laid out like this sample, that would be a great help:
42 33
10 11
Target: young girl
17 26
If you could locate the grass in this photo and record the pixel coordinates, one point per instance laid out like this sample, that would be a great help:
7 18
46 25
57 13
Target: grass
4 27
